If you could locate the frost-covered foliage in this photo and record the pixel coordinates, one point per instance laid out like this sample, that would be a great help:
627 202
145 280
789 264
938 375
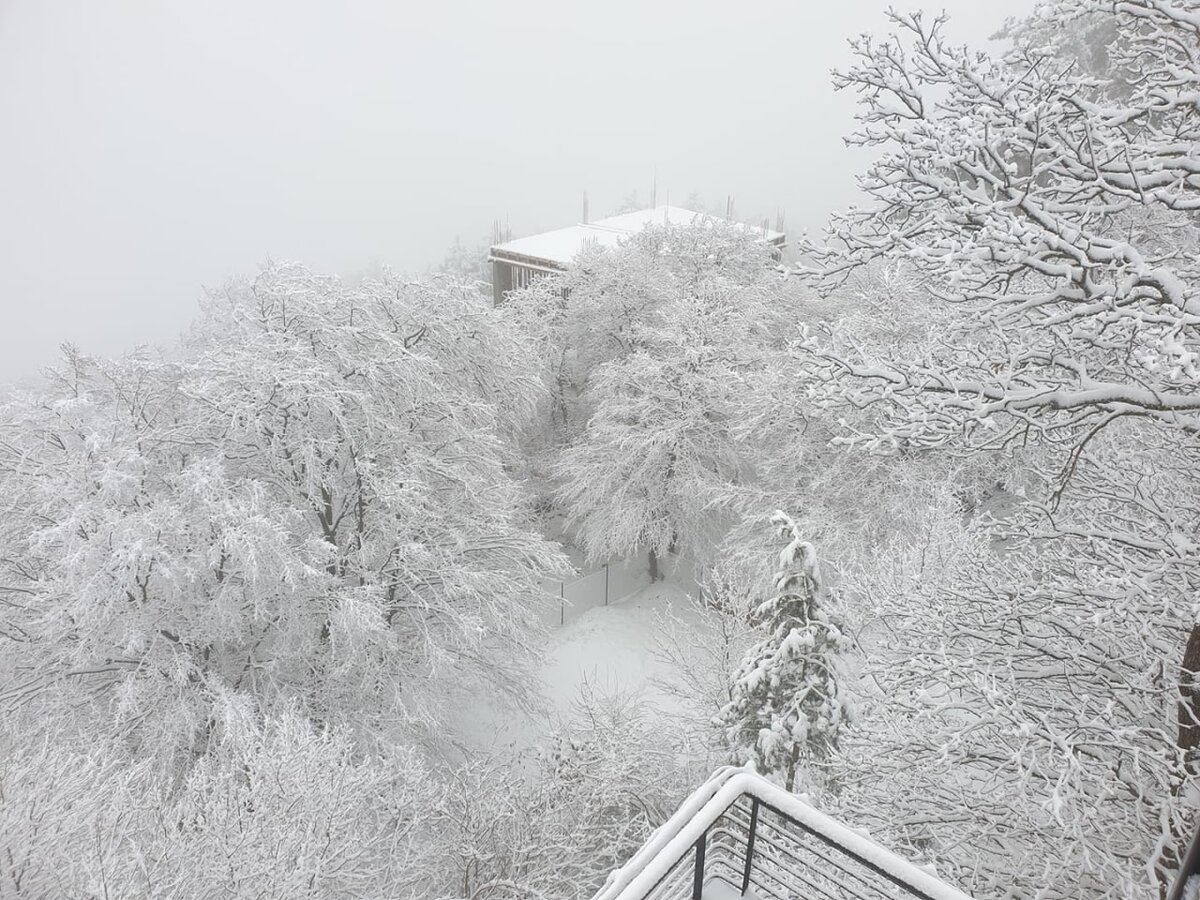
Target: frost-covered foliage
606 306
280 809
277 809
656 346
308 505
786 708
469 264
607 777
1057 216
303 519
1033 721
701 646
1023 683
658 454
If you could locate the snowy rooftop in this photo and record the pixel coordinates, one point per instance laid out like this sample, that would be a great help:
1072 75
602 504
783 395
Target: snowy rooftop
557 248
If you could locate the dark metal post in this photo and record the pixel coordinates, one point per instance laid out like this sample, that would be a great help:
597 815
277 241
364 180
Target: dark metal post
750 847
1189 868
698 877
606 584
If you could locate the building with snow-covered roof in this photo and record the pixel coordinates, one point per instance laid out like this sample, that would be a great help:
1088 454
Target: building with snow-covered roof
516 263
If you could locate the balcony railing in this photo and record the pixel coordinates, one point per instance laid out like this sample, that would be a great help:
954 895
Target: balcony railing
741 836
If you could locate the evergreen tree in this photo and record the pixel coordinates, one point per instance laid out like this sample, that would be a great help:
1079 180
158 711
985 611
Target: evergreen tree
786 706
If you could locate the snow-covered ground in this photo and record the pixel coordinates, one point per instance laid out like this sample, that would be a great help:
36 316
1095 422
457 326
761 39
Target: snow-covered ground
607 649
612 648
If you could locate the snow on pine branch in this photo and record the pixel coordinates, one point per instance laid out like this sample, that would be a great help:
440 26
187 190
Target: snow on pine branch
785 710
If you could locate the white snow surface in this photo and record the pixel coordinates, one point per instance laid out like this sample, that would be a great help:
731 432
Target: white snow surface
719 890
558 247
612 648
607 648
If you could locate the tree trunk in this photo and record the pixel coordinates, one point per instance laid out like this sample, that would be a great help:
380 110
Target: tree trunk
1188 717
654 573
1189 699
793 760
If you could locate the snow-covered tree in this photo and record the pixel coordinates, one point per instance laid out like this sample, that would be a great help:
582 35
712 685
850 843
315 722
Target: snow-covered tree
468 264
599 310
656 465
786 709
608 775
700 645
242 585
307 506
661 339
1021 685
1036 727
277 808
1058 218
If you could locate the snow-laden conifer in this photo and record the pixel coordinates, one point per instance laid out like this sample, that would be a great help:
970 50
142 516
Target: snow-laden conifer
787 709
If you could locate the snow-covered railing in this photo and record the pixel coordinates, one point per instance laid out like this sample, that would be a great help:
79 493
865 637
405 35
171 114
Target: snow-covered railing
741 836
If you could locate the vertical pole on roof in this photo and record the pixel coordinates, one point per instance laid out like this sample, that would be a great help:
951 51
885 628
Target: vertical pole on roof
606 584
750 846
698 874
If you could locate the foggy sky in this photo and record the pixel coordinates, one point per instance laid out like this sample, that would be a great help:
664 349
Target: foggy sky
150 148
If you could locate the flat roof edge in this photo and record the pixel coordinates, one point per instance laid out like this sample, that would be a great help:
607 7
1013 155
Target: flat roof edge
520 259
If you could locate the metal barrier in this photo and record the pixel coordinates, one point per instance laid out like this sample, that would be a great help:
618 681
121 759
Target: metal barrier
614 581
741 836
608 584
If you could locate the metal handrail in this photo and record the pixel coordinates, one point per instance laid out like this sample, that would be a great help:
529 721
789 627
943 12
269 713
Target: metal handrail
779 846
742 830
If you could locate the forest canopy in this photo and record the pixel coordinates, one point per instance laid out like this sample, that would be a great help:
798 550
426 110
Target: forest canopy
258 589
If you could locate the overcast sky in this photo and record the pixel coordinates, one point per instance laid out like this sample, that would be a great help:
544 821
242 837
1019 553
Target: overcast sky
150 148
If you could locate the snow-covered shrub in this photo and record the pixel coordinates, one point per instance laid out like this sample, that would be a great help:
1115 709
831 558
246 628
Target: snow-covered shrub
274 809
604 780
